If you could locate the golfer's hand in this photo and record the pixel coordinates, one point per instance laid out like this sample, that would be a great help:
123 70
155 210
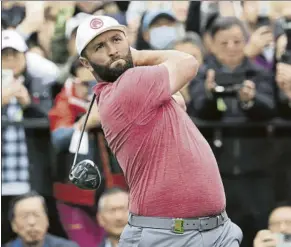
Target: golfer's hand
210 81
265 238
262 37
247 91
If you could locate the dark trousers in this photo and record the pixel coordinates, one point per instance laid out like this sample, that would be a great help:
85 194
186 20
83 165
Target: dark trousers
55 226
250 199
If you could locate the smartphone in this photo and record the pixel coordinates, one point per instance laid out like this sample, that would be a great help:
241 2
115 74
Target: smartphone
7 77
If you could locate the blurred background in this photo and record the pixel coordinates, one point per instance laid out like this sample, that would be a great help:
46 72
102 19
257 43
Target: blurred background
240 101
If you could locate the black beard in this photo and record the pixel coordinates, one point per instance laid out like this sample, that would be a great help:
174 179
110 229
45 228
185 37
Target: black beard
108 74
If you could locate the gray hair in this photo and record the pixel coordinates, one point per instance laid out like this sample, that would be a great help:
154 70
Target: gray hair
108 192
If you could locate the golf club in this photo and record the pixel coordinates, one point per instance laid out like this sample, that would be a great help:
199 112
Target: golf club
85 174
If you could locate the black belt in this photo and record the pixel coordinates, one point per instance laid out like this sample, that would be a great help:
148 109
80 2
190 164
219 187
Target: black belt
178 225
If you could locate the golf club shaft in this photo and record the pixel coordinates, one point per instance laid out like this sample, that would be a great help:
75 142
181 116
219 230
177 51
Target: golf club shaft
83 130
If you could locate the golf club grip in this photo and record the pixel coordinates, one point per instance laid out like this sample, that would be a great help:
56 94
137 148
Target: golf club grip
83 130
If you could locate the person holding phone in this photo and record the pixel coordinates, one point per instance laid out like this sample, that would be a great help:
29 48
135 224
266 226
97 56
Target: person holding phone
230 87
278 233
27 80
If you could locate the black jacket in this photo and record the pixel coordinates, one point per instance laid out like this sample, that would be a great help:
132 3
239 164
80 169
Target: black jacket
243 150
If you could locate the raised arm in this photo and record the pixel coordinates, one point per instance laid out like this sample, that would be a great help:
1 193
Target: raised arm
182 67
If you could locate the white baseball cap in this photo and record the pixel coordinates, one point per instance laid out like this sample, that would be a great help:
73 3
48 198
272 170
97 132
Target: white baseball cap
74 22
12 39
93 26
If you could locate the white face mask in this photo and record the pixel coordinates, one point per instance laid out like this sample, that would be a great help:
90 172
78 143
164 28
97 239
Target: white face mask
162 37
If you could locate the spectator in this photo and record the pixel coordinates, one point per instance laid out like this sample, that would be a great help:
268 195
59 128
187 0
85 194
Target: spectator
264 33
63 42
283 96
247 182
29 220
279 227
191 43
283 81
160 29
112 214
73 99
27 90
66 117
12 14
25 94
37 27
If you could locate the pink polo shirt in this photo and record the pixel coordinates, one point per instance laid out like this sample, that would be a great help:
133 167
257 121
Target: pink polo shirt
169 167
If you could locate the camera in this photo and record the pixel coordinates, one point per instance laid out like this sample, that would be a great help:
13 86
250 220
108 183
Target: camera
284 240
286 57
228 84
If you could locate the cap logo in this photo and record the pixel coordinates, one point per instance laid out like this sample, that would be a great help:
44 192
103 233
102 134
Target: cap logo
96 23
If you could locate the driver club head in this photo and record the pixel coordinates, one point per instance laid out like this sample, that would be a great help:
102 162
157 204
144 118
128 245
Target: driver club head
86 175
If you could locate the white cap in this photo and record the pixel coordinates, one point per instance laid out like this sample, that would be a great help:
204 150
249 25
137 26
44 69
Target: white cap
12 39
94 26
74 22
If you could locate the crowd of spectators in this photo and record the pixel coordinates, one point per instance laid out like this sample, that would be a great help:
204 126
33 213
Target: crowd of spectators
240 100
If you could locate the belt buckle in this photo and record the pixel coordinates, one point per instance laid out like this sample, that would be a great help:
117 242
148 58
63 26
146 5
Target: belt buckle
178 226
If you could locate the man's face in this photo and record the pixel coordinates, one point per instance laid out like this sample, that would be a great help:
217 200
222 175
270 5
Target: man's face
13 60
159 22
228 46
114 214
30 221
280 220
108 55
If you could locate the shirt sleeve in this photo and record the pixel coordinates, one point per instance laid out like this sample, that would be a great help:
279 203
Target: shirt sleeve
143 89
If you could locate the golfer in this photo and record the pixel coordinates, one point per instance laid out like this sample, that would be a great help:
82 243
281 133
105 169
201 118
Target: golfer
176 194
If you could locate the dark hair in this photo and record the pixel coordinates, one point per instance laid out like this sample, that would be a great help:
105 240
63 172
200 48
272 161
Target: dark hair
19 198
75 66
225 23
209 22
141 44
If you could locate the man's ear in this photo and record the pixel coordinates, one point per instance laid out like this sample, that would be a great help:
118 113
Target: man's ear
14 226
86 64
100 219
